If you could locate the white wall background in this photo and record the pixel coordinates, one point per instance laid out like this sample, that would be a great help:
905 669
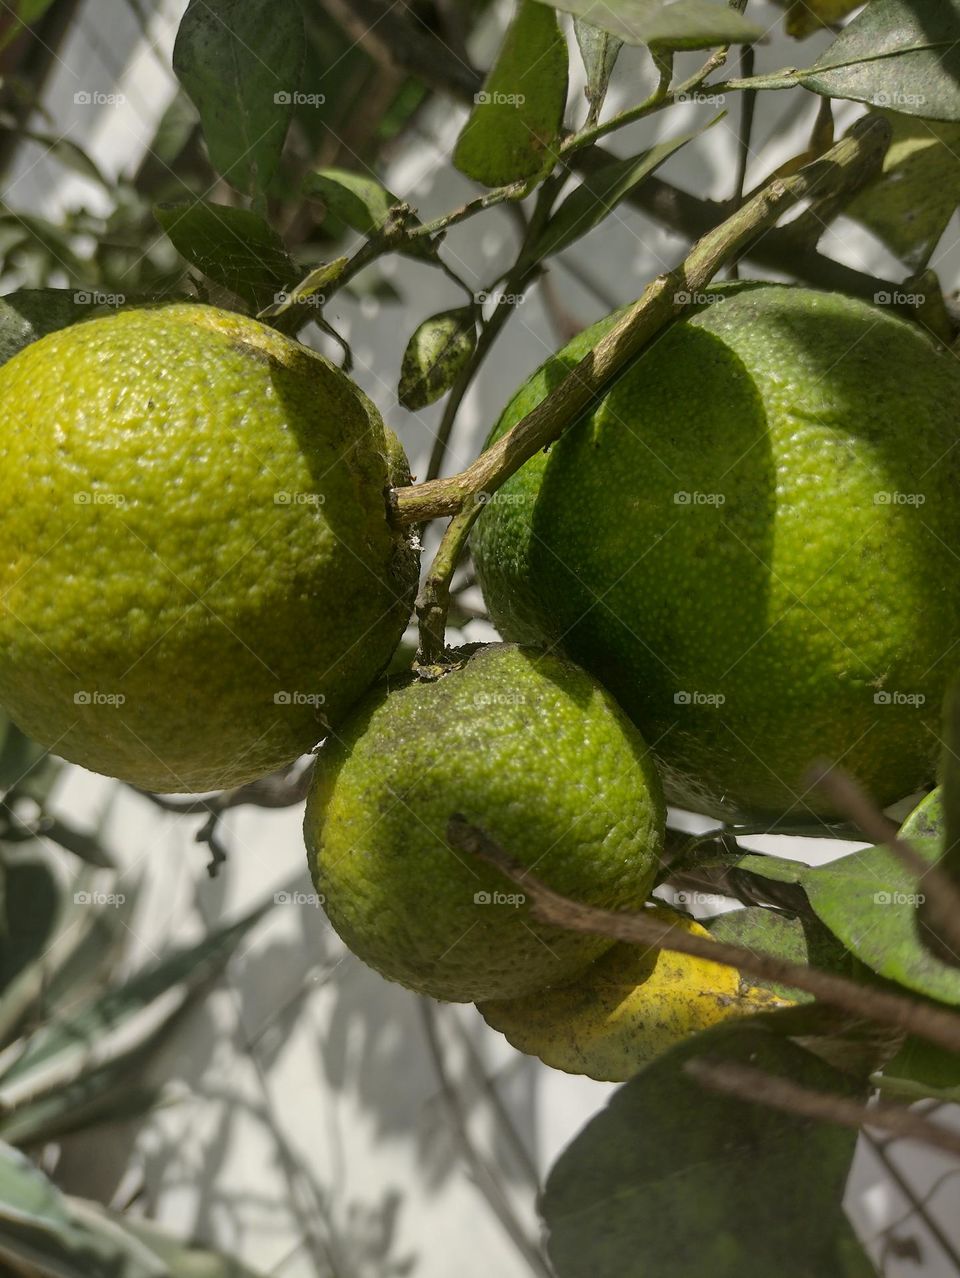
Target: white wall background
310 1131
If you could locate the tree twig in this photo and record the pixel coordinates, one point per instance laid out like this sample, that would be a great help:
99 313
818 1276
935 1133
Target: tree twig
941 906
755 1085
847 164
911 1015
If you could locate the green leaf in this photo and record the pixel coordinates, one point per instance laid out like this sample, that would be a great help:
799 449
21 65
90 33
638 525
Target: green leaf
599 50
182 1260
239 60
921 1069
30 313
777 868
364 204
20 14
926 819
516 119
869 901
672 1180
684 24
31 905
767 931
588 204
103 1025
435 354
901 54
18 754
910 203
233 247
359 201
38 1229
806 16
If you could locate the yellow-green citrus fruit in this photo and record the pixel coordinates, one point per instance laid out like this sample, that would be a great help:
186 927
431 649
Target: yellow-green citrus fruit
196 568
628 1007
530 749
752 540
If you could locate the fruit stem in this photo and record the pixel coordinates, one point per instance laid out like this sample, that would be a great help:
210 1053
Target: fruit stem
847 165
433 601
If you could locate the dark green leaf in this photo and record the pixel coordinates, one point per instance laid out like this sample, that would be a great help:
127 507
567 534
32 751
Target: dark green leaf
901 54
869 901
766 931
182 1260
39 1230
910 203
806 16
359 201
926 819
672 1180
23 13
31 906
435 354
588 204
239 60
684 24
516 119
363 204
82 1034
33 312
233 247
921 1069
599 50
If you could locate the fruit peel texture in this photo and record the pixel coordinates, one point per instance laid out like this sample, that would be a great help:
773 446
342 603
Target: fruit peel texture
196 570
530 749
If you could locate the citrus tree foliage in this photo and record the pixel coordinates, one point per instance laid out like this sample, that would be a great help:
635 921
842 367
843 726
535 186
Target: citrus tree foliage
724 1153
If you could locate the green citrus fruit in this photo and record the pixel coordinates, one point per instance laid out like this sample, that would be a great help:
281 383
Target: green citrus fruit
628 1007
196 569
530 749
752 541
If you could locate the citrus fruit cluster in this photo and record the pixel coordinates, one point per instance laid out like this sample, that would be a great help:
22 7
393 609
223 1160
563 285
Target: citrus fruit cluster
744 555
